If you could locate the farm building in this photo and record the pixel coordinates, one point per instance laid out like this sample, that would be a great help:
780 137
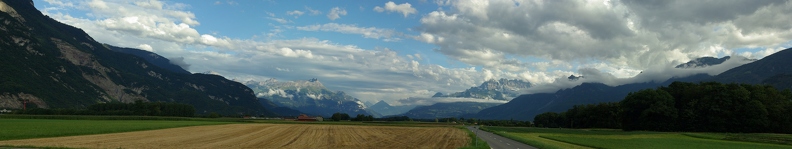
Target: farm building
304 117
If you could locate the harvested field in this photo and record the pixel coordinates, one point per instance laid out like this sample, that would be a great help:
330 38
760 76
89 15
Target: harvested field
265 136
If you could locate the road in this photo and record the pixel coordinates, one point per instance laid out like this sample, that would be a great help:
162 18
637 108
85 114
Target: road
498 142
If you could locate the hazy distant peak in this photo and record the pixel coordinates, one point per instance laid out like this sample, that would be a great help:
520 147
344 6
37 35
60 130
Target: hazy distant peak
382 102
574 78
703 62
501 89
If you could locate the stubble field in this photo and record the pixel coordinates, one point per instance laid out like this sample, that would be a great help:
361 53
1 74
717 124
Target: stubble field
265 136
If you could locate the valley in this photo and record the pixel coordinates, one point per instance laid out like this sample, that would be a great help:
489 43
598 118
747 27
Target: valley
407 74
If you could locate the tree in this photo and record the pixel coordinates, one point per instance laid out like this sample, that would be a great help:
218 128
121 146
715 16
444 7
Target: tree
339 116
214 115
648 109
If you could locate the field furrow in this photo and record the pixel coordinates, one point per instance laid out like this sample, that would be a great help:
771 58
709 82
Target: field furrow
265 136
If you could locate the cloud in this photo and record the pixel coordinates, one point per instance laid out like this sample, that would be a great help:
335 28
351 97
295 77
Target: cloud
151 4
145 47
312 11
336 13
537 42
279 20
367 32
295 13
179 61
660 73
229 2
406 9
635 35
363 73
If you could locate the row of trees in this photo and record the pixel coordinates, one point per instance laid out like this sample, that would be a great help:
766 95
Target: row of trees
508 123
603 115
116 108
709 106
343 116
361 117
339 116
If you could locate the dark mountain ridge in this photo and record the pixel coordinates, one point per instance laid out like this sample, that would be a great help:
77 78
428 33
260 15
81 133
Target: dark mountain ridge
703 62
758 71
152 58
525 107
772 70
446 110
54 65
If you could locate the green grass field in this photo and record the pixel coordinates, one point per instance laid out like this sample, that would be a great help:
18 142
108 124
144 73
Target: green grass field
475 142
607 138
41 128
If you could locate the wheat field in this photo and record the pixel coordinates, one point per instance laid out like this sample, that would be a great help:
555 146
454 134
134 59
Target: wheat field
265 136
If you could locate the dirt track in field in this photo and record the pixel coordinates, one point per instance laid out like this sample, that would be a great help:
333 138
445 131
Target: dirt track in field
266 136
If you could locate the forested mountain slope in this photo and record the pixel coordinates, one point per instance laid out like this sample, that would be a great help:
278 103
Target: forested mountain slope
53 65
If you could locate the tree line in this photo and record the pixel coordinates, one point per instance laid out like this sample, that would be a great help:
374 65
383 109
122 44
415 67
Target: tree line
343 116
682 106
138 108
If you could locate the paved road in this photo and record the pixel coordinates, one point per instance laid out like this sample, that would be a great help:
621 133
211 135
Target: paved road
498 142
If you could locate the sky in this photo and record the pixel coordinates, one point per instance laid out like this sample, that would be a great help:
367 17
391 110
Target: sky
396 50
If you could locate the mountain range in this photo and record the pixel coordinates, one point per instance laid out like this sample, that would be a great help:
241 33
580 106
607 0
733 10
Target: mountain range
771 70
54 65
703 62
309 96
502 89
446 110
386 109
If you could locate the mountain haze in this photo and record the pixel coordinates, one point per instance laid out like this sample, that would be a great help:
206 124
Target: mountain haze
386 109
772 70
502 89
308 96
525 107
446 110
703 62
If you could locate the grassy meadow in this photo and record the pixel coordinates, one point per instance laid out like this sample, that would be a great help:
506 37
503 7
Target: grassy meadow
41 128
607 138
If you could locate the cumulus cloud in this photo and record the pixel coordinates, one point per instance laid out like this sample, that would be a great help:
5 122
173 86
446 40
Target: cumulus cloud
363 73
336 13
279 20
634 35
179 61
367 32
295 13
607 41
312 11
145 47
406 9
